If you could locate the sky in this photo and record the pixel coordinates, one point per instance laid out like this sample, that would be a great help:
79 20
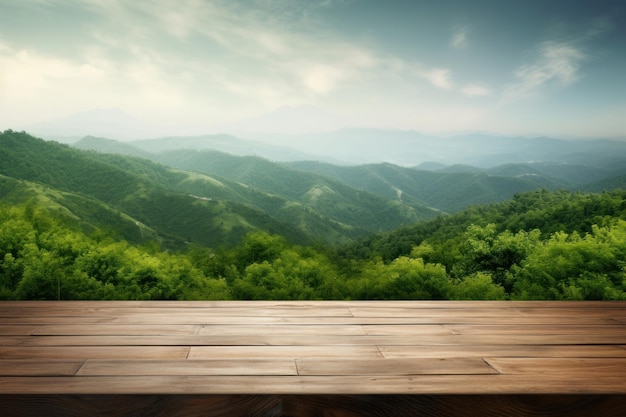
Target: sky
531 67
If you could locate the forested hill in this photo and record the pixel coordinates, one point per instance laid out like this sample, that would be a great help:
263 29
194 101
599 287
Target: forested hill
542 210
77 224
149 199
446 188
455 187
504 251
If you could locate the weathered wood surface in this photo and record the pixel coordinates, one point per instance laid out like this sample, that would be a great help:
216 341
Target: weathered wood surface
314 358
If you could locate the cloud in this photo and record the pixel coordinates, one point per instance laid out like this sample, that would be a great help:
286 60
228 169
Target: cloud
476 90
322 79
459 38
554 63
439 77
223 58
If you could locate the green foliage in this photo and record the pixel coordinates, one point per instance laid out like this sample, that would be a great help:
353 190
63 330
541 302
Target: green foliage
78 225
44 259
478 286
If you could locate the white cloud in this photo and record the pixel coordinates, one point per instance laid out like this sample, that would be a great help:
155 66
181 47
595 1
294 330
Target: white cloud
476 90
322 79
554 63
459 38
439 77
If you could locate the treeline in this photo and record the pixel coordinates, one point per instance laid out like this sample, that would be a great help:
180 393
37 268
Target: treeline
540 245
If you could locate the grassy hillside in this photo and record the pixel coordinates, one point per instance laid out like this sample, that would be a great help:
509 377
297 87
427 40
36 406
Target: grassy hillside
90 184
330 198
183 206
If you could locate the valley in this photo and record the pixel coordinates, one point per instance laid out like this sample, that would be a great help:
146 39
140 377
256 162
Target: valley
103 219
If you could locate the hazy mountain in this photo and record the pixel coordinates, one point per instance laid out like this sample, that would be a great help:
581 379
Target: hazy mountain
219 142
411 148
105 145
111 123
289 120
223 143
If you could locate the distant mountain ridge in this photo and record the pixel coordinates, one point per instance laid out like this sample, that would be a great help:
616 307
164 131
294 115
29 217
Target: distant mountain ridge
446 188
411 148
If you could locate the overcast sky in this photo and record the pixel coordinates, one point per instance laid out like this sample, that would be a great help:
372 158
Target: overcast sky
554 67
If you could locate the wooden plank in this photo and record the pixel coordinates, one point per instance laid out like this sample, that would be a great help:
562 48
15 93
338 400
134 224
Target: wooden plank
95 352
43 320
488 350
17 330
116 330
494 384
317 340
572 367
41 367
12 340
567 312
439 313
355 348
281 329
524 329
147 312
167 319
283 352
187 367
406 329
423 366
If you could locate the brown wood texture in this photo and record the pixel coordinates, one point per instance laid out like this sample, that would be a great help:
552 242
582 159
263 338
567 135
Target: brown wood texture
314 358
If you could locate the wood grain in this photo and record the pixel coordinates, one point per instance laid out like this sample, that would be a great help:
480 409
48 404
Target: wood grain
313 358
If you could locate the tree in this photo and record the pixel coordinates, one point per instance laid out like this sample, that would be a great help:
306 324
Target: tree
478 286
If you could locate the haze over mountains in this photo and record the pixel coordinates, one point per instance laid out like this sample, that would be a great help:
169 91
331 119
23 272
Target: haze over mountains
272 136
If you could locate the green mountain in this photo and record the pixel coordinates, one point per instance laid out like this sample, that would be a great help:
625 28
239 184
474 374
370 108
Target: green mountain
304 181
446 191
115 192
331 198
444 188
548 212
182 206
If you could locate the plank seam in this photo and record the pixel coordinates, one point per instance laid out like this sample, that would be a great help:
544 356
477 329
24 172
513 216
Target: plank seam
380 352
491 366
82 365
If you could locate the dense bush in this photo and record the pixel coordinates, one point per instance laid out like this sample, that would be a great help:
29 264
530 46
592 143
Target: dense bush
473 255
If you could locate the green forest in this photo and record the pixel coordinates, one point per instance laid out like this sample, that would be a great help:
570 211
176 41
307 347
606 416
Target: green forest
188 225
540 245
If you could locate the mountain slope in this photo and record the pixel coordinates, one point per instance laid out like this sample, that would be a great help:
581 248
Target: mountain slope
183 206
446 191
138 189
331 198
291 195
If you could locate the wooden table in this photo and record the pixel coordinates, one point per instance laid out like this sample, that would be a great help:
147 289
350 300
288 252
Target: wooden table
320 358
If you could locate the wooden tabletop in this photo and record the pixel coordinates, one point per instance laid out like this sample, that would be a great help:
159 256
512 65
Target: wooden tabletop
319 347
